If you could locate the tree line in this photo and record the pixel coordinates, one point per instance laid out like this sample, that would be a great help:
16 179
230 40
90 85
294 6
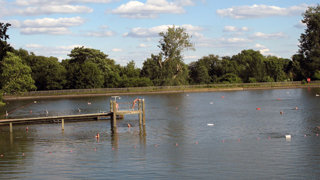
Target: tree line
21 70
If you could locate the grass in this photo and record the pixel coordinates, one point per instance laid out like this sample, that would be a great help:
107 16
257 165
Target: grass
162 89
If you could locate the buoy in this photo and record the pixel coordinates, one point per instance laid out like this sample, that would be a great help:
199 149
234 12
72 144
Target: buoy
196 142
177 108
239 140
135 146
98 136
47 112
71 151
317 95
187 95
269 137
156 145
95 149
22 154
1 155
112 148
30 111
7 114
317 134
222 140
177 144
222 97
211 102
278 99
79 110
258 109
281 112
305 135
27 128
258 138
210 124
288 137
296 108
35 102
89 103
129 125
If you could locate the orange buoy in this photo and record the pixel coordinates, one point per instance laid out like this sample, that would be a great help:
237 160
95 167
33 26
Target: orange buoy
27 128
279 99
281 112
177 144
222 97
129 125
258 109
296 108
222 140
197 142
98 136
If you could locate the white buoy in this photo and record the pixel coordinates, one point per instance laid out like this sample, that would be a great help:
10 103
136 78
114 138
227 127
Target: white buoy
317 95
288 137
7 114
210 124
211 102
89 103
79 109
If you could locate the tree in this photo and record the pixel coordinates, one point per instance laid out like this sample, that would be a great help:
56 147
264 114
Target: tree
16 76
4 46
250 66
47 72
310 43
103 69
170 70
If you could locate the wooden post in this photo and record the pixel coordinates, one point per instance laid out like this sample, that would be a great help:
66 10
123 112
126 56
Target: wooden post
143 113
62 124
111 106
140 111
10 125
114 114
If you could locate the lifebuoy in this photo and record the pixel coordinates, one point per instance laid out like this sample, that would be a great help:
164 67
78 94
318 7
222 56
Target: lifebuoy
134 102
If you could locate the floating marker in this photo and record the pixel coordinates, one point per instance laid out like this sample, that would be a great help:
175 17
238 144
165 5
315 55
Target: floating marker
222 97
89 103
35 102
296 108
288 137
222 140
239 140
27 128
196 142
129 125
317 134
210 124
258 138
187 95
258 109
281 112
177 144
22 154
156 145
98 136
278 99
30 111
211 102
269 137
135 146
317 95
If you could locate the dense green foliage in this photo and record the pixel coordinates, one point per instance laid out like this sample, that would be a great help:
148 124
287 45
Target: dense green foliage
90 68
16 76
309 53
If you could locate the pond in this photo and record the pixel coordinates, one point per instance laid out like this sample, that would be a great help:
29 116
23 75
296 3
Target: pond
213 135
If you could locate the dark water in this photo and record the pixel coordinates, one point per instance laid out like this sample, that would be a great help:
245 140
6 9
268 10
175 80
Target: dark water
243 143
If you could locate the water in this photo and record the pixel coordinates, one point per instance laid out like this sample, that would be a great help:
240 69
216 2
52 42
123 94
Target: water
244 143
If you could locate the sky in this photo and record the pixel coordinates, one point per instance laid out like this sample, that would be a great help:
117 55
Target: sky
128 30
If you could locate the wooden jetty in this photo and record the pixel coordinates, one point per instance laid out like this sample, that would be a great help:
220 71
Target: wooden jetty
114 114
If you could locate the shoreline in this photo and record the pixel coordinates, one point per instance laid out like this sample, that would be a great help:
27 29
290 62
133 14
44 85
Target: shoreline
165 91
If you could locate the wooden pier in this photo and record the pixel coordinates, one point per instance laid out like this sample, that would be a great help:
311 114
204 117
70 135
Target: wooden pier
114 114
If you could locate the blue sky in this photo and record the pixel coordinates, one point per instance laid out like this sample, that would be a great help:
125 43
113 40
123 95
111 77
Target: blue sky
128 30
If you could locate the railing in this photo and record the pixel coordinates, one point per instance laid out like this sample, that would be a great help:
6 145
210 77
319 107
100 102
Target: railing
160 88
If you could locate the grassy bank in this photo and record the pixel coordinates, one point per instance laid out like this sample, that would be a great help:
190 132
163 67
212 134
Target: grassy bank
158 90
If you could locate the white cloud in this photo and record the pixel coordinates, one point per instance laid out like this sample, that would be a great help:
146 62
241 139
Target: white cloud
149 9
41 2
44 30
48 25
142 45
260 11
100 33
42 50
268 36
154 31
117 50
263 50
53 9
223 42
235 29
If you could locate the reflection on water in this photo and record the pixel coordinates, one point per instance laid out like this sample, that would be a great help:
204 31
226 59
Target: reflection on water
176 143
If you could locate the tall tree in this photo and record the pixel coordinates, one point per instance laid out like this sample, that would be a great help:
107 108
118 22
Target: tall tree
4 46
16 76
310 43
171 68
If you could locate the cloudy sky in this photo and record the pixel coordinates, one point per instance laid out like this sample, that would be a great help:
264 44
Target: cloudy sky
128 29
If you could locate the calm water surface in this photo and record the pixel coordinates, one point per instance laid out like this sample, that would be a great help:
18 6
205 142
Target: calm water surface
243 143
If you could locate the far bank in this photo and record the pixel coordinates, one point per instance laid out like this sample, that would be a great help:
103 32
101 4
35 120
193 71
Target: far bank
157 90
